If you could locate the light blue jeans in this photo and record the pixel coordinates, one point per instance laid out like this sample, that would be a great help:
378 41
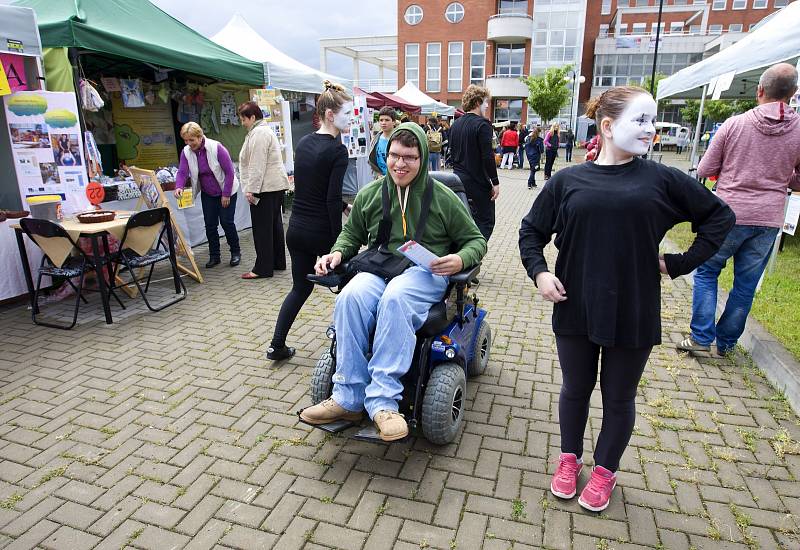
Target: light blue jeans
395 311
435 160
750 247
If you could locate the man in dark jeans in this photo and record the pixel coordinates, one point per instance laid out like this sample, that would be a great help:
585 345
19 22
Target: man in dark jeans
523 133
570 141
473 157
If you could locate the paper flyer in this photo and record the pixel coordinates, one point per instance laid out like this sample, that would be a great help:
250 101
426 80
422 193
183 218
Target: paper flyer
792 215
186 199
47 146
418 254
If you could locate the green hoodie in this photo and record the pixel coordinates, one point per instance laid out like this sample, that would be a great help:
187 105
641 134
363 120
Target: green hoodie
450 227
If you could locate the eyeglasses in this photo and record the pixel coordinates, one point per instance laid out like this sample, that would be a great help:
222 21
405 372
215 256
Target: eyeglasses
407 159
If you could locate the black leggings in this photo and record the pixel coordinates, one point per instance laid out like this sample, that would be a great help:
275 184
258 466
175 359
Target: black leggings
620 371
549 160
304 248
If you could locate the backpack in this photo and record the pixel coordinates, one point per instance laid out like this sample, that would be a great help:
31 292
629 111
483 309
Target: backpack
434 140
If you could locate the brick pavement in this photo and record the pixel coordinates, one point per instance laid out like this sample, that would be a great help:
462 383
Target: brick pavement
170 430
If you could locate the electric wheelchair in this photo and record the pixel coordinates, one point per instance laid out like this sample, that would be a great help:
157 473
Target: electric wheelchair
452 345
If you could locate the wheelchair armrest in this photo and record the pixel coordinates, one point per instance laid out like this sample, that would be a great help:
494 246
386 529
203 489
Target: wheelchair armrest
465 276
333 278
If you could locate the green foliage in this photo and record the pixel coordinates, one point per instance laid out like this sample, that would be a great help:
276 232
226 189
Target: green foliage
548 92
717 110
690 111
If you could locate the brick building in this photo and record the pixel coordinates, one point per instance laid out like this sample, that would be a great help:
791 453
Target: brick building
443 45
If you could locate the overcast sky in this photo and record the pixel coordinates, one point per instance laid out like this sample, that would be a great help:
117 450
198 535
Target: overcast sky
295 26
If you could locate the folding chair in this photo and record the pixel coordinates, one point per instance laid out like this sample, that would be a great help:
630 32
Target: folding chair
139 235
55 241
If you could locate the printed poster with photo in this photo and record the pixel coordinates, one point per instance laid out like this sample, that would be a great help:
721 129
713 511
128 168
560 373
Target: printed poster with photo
357 134
47 146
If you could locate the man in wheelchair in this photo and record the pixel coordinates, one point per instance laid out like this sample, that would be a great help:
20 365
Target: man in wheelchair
394 308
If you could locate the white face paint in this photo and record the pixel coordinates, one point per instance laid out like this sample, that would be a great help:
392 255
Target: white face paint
484 107
342 119
634 129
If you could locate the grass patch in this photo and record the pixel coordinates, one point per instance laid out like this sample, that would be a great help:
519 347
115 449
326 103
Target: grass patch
518 509
777 304
10 502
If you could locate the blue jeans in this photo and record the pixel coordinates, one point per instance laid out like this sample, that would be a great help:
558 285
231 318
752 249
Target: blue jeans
521 156
395 311
750 247
213 216
435 160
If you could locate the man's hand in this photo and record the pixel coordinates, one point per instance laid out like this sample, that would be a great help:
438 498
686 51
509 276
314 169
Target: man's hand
550 287
447 265
178 192
328 262
662 265
226 202
495 192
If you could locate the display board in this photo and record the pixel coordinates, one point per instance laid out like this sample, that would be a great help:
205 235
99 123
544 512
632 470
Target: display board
47 146
144 135
357 134
12 72
153 197
277 114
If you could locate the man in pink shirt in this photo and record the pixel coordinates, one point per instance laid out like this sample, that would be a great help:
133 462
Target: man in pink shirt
756 157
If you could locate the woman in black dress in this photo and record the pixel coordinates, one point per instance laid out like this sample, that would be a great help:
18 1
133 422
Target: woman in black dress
320 162
609 217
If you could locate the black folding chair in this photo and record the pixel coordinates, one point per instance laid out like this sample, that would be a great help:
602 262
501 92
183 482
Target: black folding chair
132 260
73 266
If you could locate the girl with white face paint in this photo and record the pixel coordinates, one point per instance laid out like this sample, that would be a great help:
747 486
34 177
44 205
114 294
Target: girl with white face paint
609 217
320 162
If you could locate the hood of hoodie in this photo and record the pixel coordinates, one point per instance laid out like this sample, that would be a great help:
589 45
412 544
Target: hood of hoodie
774 119
417 130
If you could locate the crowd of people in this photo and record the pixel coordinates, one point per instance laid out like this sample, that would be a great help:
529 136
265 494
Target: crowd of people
607 215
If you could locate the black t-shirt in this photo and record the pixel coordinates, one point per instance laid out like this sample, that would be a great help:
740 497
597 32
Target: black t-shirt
609 221
320 162
471 151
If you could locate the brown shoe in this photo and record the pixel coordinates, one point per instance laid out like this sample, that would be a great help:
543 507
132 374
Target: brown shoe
328 411
391 425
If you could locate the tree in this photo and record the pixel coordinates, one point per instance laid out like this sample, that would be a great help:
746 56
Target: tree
690 111
548 92
717 110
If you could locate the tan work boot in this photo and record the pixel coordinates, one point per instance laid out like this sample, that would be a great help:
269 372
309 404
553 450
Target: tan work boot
391 425
328 411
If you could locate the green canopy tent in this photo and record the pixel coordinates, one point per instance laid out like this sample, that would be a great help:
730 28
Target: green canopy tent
138 30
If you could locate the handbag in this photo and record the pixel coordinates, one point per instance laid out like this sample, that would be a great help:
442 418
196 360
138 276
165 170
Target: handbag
379 259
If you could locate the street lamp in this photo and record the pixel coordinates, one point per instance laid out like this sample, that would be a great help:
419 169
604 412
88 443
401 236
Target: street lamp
580 79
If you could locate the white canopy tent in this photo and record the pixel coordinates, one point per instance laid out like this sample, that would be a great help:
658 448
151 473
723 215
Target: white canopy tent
415 96
775 40
280 70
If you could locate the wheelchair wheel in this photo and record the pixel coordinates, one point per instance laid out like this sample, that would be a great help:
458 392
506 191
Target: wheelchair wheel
322 379
483 345
443 403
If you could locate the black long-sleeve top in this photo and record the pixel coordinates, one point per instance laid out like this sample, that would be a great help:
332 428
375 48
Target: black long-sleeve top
320 162
471 151
608 222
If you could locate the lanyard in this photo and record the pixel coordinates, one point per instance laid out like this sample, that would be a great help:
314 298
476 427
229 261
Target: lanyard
403 202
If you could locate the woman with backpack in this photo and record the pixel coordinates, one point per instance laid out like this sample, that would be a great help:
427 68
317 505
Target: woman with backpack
550 149
509 141
435 135
534 148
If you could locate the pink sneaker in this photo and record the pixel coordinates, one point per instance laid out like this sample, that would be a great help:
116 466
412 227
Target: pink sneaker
597 493
565 480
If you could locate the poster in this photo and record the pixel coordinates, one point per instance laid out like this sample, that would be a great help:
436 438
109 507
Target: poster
357 134
14 68
144 136
792 215
276 113
47 146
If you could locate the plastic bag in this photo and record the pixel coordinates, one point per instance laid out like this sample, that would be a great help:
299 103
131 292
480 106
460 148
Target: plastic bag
90 98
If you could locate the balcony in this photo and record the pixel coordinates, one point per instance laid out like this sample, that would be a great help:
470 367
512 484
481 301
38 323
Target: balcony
500 85
510 27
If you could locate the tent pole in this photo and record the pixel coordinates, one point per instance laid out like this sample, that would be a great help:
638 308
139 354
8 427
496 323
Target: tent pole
74 57
696 142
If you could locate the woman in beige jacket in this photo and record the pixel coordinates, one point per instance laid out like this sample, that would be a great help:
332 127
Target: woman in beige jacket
264 181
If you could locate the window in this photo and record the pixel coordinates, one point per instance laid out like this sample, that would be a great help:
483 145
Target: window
715 29
781 3
622 3
603 31
507 109
740 4
654 27
676 27
642 2
454 12
413 14
719 4
605 8
455 66
510 58
477 62
752 26
639 28
433 67
680 2
759 4
735 27
623 29
412 63
695 29
513 6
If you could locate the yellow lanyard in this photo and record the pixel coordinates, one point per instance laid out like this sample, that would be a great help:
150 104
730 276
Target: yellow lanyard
403 202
